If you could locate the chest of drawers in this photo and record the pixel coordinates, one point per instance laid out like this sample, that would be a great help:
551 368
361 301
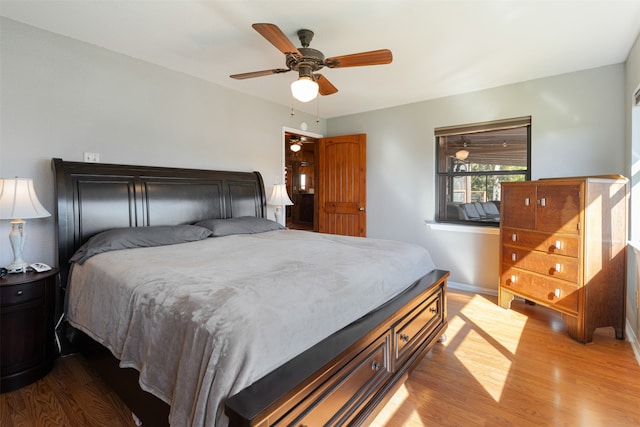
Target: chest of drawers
563 245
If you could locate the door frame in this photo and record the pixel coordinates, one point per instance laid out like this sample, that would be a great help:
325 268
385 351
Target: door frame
283 163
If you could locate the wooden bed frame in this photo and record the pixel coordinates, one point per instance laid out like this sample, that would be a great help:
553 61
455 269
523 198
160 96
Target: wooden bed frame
343 380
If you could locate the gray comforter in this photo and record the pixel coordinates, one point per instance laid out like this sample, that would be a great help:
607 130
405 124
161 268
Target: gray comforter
203 320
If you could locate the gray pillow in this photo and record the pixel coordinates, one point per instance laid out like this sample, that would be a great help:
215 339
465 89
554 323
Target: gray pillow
138 237
240 225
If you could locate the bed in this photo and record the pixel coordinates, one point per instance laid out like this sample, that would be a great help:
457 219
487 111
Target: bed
206 331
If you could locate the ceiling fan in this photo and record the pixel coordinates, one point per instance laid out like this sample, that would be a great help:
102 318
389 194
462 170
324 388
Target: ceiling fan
296 141
307 61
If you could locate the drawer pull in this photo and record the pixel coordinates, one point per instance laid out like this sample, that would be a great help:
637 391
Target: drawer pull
514 237
375 366
404 337
557 293
543 201
433 310
514 257
558 267
20 292
527 202
513 278
558 244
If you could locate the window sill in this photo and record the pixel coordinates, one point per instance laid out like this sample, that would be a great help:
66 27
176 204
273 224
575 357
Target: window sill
461 228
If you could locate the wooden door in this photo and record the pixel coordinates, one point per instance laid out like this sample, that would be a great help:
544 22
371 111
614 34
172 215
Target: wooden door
342 185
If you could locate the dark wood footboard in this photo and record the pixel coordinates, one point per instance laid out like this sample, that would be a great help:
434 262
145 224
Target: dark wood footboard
346 378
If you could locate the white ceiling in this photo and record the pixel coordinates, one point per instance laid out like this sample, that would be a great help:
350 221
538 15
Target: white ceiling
440 48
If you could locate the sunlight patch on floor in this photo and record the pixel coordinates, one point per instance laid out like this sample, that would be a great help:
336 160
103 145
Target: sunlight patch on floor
399 408
490 367
469 331
489 326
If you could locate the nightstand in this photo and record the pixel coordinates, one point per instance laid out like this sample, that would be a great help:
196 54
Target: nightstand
27 323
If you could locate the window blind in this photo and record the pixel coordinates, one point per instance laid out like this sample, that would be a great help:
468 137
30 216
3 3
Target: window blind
484 126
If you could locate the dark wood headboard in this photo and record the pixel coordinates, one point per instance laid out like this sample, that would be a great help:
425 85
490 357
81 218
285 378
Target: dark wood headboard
93 197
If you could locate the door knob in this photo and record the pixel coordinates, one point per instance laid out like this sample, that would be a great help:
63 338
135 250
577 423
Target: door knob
361 208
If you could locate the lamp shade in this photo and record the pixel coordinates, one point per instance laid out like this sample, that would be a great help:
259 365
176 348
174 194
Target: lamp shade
18 199
279 196
462 155
304 89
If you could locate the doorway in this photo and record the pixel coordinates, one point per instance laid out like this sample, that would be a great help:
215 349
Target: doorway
326 181
301 172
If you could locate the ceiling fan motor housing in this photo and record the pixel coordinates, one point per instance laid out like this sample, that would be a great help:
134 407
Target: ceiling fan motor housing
311 58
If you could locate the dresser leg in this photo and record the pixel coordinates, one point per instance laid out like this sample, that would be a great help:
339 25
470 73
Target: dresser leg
576 331
504 298
619 333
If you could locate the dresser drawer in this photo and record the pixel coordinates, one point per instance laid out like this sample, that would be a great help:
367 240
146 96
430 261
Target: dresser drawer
411 331
18 294
560 244
558 294
561 267
336 401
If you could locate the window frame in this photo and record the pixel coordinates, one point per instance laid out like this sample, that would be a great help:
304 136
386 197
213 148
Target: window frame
475 128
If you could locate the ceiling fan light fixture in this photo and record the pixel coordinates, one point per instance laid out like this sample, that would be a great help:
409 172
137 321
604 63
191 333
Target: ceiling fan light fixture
304 89
295 147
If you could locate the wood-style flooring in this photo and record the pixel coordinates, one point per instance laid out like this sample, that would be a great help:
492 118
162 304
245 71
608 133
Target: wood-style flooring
497 368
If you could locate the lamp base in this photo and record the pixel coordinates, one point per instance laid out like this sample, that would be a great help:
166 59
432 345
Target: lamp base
17 237
278 214
17 267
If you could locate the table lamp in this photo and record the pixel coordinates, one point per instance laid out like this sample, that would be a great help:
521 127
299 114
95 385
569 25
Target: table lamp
18 200
279 198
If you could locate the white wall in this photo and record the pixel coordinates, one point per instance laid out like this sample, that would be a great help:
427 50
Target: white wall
577 129
632 166
61 97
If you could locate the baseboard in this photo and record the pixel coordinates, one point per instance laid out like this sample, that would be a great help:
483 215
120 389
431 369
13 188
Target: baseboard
633 340
471 288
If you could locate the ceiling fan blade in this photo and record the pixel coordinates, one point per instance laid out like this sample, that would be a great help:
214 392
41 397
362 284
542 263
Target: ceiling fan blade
374 57
325 87
253 74
276 37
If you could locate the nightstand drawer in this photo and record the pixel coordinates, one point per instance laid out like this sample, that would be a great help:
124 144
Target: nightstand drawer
19 294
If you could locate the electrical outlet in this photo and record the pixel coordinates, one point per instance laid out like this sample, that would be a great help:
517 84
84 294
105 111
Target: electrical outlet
91 157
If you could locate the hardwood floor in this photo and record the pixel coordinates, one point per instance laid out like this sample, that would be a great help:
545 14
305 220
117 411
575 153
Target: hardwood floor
497 368
71 395
517 367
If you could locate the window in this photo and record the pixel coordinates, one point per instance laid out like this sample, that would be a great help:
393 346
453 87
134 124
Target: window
472 161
